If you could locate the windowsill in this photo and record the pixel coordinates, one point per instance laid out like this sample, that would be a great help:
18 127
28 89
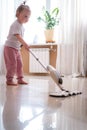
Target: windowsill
36 44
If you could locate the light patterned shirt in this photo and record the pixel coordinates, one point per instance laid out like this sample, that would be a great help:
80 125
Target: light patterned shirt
12 41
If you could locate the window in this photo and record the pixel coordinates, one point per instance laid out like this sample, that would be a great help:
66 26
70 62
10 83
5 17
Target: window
33 30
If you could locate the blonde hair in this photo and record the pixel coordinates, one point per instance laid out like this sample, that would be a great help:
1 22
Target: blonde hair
21 8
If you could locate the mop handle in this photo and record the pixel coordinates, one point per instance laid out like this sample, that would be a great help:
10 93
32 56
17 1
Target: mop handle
38 60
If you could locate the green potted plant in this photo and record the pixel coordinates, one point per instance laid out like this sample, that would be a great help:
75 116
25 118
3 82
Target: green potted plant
50 19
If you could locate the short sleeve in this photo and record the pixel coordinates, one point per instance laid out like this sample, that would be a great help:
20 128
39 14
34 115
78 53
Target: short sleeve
17 28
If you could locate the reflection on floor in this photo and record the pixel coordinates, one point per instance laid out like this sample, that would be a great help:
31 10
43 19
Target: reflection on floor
29 107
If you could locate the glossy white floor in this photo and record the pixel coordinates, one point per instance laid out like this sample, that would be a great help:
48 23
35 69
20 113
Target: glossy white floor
29 107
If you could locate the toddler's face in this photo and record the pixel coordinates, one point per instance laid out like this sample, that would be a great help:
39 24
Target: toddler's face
24 16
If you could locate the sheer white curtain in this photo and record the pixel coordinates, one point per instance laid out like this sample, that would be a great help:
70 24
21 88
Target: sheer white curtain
71 37
6 17
72 42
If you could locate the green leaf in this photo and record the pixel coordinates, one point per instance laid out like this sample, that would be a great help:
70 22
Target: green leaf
50 19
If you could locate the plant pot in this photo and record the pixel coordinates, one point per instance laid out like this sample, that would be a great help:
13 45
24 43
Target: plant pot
49 36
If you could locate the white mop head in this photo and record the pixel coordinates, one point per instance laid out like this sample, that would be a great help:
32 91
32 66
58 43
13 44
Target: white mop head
58 80
55 75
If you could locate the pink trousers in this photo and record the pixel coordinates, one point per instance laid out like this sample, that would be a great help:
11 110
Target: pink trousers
13 61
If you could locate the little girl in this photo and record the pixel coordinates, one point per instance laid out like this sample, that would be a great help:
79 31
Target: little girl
12 55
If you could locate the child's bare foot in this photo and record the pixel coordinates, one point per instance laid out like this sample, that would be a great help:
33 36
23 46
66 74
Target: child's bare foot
11 83
22 82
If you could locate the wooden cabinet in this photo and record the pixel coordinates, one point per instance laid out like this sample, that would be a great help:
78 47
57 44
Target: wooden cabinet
52 50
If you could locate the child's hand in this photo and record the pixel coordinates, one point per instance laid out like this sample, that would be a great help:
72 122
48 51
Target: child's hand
26 47
20 39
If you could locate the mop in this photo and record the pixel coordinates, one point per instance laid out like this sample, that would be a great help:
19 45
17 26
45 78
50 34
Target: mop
57 79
